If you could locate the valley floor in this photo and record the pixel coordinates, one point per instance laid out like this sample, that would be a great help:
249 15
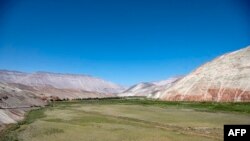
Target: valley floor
121 120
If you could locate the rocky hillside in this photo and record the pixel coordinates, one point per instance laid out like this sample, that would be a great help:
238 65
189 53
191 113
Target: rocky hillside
226 78
15 102
60 85
149 89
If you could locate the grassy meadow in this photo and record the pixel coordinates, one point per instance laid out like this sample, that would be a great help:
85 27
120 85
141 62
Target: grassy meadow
128 120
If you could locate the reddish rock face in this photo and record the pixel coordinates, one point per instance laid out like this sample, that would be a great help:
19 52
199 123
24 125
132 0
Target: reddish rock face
225 79
228 95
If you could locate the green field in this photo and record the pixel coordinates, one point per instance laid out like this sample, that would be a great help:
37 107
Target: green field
129 120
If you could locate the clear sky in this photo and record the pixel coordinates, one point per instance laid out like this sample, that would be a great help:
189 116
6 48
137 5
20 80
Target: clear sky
124 41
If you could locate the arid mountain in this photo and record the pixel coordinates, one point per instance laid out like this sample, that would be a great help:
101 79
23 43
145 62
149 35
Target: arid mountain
149 89
226 78
60 85
140 89
15 102
19 92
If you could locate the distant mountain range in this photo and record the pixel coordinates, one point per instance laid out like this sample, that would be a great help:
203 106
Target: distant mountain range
60 85
226 78
149 89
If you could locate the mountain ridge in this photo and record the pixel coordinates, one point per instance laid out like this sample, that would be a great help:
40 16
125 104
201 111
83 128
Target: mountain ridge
61 85
149 89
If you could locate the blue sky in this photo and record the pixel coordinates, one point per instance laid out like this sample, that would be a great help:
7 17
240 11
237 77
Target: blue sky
124 41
